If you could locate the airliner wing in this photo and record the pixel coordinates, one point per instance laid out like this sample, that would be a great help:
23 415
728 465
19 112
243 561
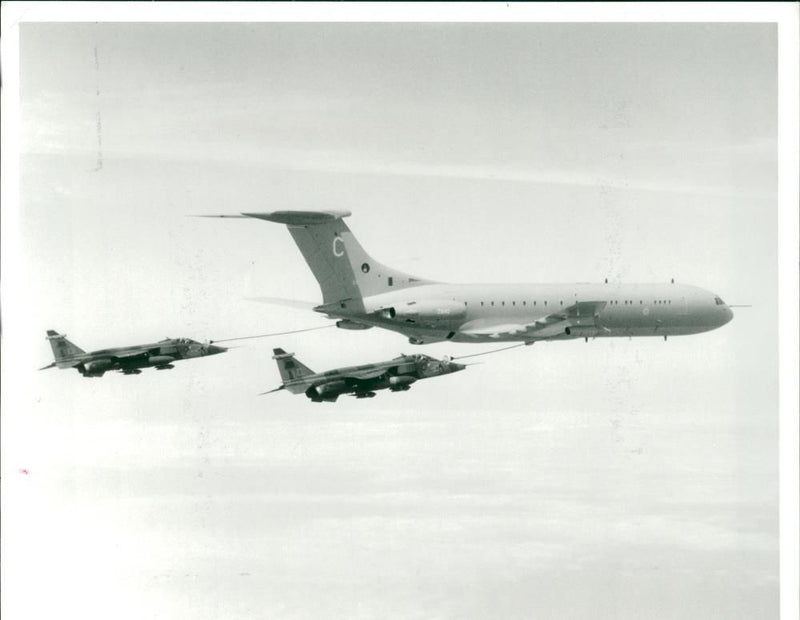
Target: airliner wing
580 314
493 330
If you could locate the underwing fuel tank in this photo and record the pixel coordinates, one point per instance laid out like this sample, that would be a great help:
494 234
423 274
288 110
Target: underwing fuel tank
161 359
401 380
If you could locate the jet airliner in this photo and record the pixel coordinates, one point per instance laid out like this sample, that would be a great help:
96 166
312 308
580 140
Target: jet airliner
362 293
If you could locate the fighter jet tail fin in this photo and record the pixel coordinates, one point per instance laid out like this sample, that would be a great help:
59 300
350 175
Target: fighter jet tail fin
63 349
342 268
291 370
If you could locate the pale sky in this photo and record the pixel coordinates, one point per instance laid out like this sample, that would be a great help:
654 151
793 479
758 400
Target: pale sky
618 478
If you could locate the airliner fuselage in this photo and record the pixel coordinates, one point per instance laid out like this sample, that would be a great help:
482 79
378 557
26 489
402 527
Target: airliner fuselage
363 293
507 312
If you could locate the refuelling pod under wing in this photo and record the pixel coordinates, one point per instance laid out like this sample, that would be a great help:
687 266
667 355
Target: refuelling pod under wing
348 324
582 331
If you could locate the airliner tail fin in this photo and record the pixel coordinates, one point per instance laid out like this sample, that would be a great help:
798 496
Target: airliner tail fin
342 268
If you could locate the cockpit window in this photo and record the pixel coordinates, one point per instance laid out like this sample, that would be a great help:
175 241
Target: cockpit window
718 301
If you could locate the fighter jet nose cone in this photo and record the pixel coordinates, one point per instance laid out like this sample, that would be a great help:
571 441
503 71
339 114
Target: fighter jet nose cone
213 349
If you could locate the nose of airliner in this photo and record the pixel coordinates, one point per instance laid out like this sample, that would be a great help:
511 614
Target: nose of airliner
719 313
727 315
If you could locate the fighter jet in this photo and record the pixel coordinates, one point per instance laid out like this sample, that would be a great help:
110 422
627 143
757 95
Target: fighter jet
127 360
361 381
362 293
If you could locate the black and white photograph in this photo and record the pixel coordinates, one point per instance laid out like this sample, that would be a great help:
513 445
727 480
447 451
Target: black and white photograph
332 310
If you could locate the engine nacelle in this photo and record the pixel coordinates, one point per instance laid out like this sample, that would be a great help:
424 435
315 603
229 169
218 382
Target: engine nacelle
348 324
327 390
160 360
96 368
401 380
426 311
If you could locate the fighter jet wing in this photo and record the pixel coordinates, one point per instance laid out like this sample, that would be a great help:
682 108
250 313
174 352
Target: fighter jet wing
362 375
582 313
125 357
369 371
128 355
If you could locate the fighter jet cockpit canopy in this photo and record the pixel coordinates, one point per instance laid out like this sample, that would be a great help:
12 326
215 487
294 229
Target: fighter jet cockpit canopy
185 341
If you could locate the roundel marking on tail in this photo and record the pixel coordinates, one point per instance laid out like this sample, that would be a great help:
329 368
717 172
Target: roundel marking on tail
335 252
